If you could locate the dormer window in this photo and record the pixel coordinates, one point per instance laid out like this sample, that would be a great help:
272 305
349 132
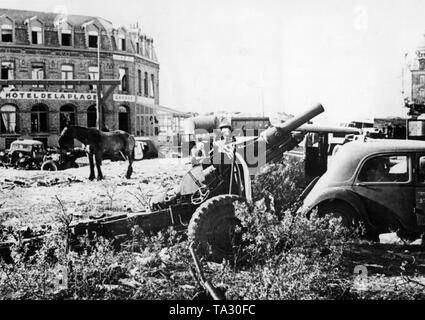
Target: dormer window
66 38
121 43
6 33
6 28
93 36
36 35
64 33
35 30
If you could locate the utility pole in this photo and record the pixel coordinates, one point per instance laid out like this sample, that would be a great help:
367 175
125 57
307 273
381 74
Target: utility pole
402 93
99 115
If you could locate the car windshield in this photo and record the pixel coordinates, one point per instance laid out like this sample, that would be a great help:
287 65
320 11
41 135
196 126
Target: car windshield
20 147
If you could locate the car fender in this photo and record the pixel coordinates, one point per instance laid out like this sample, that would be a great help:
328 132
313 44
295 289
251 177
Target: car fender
344 195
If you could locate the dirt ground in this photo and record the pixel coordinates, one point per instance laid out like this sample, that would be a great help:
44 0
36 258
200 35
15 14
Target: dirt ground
29 198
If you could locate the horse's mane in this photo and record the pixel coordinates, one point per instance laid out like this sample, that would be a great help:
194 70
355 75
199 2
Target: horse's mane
91 134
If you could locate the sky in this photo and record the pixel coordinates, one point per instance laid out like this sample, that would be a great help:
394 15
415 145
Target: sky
268 56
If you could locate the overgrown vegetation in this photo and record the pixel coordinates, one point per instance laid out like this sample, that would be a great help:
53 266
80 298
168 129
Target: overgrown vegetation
282 181
285 256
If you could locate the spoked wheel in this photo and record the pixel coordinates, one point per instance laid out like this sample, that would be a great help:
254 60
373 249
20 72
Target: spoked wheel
212 228
49 166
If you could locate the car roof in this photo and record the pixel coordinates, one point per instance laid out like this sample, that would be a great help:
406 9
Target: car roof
361 149
27 142
346 160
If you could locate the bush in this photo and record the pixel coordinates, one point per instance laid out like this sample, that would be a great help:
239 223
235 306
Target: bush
282 181
99 272
293 258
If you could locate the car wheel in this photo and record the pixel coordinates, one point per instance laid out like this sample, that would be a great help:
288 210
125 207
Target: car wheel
49 166
341 210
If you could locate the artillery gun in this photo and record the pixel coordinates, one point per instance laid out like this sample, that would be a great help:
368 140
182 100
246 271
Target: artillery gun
204 201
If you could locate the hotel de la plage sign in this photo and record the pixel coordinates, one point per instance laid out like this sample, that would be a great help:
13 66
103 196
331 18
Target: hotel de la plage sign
66 96
31 95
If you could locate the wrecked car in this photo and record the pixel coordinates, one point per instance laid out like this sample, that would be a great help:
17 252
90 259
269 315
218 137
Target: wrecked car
380 183
24 154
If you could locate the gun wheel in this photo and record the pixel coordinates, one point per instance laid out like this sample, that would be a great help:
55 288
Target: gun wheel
212 228
49 166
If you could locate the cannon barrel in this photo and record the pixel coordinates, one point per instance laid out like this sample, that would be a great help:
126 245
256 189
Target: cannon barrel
277 135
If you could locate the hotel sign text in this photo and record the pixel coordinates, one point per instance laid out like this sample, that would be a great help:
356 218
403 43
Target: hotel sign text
64 96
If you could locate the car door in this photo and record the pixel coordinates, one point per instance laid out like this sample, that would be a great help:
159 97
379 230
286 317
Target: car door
386 185
420 190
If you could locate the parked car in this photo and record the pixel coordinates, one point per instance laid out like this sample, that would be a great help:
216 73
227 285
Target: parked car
381 183
62 159
24 154
145 149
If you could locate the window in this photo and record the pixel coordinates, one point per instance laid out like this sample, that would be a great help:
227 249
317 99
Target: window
93 75
385 169
66 37
122 44
137 47
6 33
39 118
37 74
145 84
7 119
67 116
93 40
7 71
124 79
91 116
36 35
422 79
139 81
147 123
152 87
67 74
123 119
422 92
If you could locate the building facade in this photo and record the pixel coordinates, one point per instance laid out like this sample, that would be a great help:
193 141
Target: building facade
38 45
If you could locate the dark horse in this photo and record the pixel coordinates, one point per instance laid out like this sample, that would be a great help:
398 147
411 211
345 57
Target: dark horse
114 145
